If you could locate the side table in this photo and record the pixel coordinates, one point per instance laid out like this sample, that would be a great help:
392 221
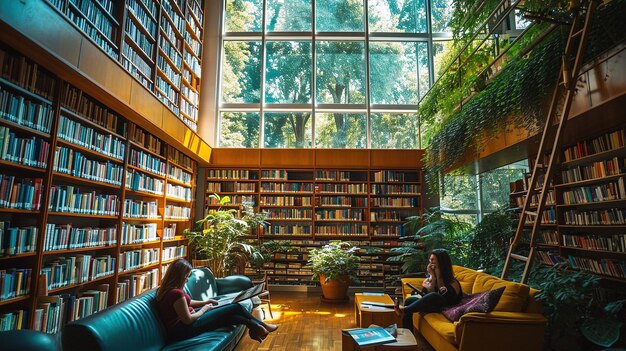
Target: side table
366 316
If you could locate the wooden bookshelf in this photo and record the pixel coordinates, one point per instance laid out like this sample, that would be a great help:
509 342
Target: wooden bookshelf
52 224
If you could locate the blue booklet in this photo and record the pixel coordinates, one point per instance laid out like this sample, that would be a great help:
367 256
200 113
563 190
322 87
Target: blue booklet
370 336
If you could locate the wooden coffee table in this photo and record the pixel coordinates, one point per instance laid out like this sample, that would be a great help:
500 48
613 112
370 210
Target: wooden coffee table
365 316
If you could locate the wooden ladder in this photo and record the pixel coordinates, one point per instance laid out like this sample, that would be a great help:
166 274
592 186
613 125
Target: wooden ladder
552 135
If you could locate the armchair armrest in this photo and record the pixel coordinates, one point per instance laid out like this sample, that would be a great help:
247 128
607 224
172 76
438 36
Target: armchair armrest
505 331
406 290
232 284
29 340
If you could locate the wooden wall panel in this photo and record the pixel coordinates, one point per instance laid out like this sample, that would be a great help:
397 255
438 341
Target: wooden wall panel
342 158
396 158
288 158
110 75
42 24
144 103
236 157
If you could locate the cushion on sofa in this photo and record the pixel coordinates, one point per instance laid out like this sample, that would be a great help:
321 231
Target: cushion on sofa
201 285
442 325
481 302
515 295
216 340
466 278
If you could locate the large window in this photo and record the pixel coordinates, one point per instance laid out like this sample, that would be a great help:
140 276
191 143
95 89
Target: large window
327 73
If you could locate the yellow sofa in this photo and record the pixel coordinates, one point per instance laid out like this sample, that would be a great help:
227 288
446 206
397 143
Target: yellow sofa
516 323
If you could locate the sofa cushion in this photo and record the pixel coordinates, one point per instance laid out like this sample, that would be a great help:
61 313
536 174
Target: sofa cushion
215 340
442 325
481 302
466 278
201 285
514 297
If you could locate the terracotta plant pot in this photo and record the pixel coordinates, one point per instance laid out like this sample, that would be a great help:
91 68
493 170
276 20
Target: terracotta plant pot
335 289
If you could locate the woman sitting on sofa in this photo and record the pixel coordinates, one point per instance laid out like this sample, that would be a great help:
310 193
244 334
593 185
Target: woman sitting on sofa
183 321
440 289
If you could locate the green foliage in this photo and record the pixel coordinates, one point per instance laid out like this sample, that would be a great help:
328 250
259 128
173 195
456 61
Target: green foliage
334 260
219 237
267 249
489 242
432 230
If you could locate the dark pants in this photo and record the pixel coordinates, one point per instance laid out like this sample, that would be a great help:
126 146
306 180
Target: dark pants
431 302
233 314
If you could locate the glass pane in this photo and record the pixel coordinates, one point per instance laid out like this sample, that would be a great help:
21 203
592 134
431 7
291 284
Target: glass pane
393 73
405 16
287 130
441 11
340 130
520 21
241 72
239 129
288 72
394 131
339 16
244 15
459 192
340 74
422 66
495 184
289 16
442 53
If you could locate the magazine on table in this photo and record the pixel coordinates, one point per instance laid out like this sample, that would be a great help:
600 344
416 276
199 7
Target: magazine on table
370 336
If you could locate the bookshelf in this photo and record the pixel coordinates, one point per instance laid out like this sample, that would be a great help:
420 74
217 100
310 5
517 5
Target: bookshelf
308 207
92 206
159 42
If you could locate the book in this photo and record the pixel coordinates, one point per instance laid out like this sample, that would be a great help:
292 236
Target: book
370 336
378 304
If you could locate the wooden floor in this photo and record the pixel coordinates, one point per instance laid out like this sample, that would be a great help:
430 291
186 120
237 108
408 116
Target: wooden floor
306 324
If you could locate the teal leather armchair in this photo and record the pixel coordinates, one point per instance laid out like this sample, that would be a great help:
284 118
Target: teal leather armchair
134 325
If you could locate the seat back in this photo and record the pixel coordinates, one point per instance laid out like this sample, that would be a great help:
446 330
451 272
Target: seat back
131 325
201 285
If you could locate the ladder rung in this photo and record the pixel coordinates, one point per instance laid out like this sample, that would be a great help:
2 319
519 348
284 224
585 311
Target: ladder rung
519 257
578 33
531 213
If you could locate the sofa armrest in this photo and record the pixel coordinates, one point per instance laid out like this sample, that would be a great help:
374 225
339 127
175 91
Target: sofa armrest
29 340
506 331
416 282
232 284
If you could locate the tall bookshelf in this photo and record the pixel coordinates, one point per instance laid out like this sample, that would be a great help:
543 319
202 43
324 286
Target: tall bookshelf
311 206
92 206
159 42
585 221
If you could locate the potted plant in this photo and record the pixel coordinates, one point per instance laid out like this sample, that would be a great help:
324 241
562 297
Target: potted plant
219 237
335 265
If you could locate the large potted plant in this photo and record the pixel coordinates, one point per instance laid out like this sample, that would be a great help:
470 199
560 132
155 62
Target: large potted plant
219 238
335 265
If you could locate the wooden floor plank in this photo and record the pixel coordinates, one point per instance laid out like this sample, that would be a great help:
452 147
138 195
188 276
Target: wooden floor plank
306 324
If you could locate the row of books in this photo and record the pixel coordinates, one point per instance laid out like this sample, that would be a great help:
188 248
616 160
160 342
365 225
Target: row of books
20 193
276 229
166 68
173 252
613 243
381 216
134 259
606 142
177 212
17 240
30 151
341 188
353 215
388 230
341 229
169 232
64 271
35 115
613 216
14 282
139 181
394 176
604 192
343 176
178 21
548 216
549 237
608 267
231 174
132 285
139 233
79 134
179 175
550 199
68 237
170 52
179 158
286 187
146 140
179 192
549 258
283 200
137 65
14 320
168 91
142 17
231 187
289 213
395 202
144 160
167 30
93 32
84 105
385 189
17 69
139 38
141 209
68 198
76 164
599 169
188 108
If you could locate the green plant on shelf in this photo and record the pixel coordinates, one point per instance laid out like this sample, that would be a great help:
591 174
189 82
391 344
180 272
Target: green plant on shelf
334 260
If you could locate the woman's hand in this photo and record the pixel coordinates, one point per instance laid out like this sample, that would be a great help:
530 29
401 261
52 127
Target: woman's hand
205 308
213 302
